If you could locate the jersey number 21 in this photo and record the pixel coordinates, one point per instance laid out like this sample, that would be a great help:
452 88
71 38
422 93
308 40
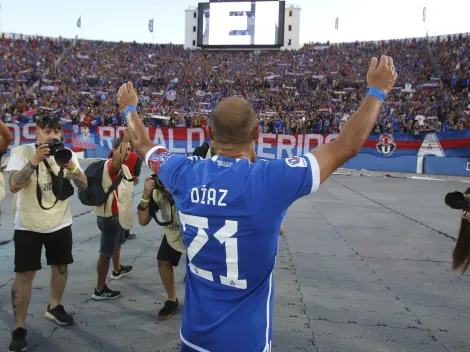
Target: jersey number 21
224 235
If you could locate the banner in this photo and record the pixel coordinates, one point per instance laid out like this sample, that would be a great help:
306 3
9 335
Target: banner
83 137
96 141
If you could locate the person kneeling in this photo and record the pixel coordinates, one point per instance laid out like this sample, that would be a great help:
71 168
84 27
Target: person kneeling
156 197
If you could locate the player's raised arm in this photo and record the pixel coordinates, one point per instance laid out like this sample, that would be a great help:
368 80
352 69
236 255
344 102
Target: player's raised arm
355 132
127 99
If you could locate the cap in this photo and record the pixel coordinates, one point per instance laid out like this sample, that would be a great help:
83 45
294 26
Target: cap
116 143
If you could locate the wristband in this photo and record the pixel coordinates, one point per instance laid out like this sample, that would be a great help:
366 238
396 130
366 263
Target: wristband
144 200
128 109
74 170
30 164
376 92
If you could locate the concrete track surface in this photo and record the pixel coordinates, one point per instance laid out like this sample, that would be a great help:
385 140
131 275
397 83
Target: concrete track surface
365 266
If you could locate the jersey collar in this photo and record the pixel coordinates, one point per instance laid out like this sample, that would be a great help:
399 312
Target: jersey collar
217 157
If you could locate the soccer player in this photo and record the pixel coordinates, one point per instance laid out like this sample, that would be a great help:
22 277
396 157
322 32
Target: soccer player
231 212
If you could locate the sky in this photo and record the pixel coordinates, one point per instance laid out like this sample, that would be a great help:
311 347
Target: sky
128 20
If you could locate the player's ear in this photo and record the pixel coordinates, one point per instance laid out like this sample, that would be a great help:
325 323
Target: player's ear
209 132
256 132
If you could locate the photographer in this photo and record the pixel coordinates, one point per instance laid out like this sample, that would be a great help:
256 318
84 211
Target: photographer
134 163
114 218
156 197
461 254
5 139
42 217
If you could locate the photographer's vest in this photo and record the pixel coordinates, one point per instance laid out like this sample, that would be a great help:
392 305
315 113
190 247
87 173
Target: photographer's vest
173 231
125 198
27 214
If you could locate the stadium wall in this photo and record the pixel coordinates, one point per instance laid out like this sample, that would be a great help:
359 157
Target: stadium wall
369 162
446 166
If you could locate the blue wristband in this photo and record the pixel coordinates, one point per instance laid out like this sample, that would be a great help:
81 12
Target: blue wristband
376 92
129 109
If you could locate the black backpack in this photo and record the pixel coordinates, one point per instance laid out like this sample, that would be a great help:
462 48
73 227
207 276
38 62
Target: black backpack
94 195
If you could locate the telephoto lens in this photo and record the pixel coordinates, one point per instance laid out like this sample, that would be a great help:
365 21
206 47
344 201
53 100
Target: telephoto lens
61 154
457 200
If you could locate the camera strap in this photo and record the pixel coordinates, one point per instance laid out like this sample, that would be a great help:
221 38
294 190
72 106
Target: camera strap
153 214
60 180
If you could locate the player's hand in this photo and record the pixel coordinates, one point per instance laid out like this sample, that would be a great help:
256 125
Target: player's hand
382 76
136 181
41 154
466 215
149 186
126 137
127 96
281 233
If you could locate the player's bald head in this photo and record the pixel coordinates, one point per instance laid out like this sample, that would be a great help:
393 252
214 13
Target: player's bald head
233 121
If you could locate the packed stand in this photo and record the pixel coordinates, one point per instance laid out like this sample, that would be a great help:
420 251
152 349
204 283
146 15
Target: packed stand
24 62
313 90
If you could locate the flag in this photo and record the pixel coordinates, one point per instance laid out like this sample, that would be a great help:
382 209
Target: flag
170 85
424 14
337 23
79 22
151 26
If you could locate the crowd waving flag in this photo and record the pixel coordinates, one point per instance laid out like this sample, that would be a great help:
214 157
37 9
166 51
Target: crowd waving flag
79 22
151 26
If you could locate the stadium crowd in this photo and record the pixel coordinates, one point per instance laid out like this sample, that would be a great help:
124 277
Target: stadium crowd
313 90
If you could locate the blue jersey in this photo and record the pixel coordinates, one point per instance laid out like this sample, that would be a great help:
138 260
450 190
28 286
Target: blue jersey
230 212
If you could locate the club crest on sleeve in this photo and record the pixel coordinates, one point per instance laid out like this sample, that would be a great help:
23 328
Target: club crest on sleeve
158 158
296 162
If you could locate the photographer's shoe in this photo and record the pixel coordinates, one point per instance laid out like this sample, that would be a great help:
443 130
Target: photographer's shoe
129 236
107 293
125 269
18 341
169 309
59 315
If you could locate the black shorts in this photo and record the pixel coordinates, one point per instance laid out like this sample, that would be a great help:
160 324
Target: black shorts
28 248
168 254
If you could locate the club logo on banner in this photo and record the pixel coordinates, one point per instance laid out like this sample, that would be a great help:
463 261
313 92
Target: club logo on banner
171 95
386 145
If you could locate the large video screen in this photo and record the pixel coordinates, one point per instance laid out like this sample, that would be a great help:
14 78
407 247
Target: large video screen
241 24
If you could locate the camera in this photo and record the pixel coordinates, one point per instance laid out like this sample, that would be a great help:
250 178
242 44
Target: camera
57 148
55 145
458 200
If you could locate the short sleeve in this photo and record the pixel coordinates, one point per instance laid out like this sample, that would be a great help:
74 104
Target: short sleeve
111 174
68 173
16 162
75 161
292 178
167 165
